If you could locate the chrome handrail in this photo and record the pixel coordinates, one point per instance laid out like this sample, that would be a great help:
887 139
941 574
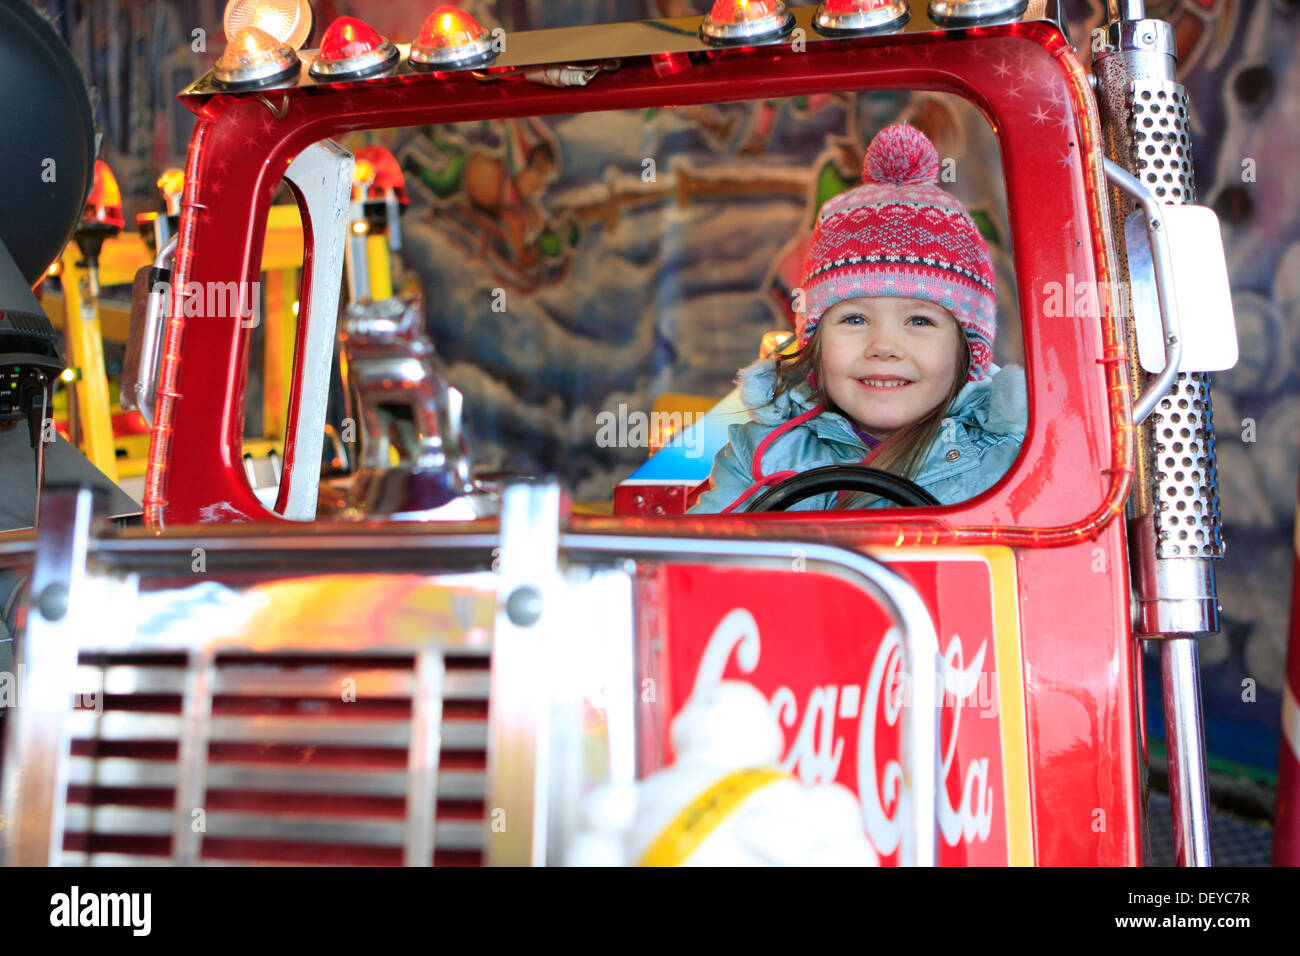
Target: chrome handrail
1170 327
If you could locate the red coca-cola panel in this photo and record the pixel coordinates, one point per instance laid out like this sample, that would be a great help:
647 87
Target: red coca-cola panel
825 655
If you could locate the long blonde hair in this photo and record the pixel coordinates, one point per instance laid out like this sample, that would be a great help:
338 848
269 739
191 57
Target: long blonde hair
902 453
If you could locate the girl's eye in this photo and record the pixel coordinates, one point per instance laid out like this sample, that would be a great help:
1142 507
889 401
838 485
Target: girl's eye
921 319
853 318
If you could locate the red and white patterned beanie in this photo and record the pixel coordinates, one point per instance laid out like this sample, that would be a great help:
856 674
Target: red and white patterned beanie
899 234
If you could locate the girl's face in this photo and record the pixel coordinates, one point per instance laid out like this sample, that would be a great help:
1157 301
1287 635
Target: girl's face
888 362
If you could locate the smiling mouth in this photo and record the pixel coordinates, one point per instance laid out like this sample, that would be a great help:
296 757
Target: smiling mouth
884 382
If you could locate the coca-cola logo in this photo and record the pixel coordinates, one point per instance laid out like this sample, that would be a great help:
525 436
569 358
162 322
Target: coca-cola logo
832 714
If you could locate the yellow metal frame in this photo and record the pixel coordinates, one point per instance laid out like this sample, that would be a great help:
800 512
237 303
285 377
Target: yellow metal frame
282 265
86 355
379 268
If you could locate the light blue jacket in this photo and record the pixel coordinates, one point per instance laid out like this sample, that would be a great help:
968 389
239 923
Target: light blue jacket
979 440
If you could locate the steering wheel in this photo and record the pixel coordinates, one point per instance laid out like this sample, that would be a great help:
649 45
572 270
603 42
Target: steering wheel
818 481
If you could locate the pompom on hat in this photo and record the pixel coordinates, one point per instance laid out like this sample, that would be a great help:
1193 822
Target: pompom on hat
899 234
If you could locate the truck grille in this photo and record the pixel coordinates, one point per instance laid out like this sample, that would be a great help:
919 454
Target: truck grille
279 758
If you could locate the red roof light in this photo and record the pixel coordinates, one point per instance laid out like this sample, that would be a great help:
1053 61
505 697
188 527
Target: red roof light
733 22
741 11
451 40
856 6
861 17
349 37
352 49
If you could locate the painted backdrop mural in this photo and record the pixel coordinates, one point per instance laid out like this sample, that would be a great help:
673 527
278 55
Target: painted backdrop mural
645 252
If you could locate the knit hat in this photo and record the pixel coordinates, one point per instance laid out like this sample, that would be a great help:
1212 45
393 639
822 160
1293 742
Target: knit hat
899 234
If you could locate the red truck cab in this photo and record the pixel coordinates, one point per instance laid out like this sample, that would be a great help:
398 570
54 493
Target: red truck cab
970 672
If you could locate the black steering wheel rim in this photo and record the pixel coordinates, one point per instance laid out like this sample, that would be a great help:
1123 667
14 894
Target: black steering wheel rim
864 478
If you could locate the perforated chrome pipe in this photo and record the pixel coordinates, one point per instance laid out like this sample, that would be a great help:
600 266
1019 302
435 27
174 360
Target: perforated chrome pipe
1174 526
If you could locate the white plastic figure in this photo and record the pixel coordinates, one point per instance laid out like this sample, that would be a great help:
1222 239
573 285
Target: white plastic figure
724 802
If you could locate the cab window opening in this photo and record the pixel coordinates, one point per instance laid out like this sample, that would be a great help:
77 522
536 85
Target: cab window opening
592 283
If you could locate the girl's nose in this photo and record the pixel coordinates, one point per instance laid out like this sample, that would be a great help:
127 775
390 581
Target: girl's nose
882 344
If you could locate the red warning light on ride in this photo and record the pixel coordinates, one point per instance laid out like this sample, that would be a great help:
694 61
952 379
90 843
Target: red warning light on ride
352 49
348 37
385 174
451 40
742 11
746 21
861 17
855 6
105 201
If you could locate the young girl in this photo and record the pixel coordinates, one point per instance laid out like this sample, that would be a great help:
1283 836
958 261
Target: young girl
894 367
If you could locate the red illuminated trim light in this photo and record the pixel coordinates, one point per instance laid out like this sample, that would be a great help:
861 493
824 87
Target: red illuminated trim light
253 60
451 40
861 17
352 49
743 22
